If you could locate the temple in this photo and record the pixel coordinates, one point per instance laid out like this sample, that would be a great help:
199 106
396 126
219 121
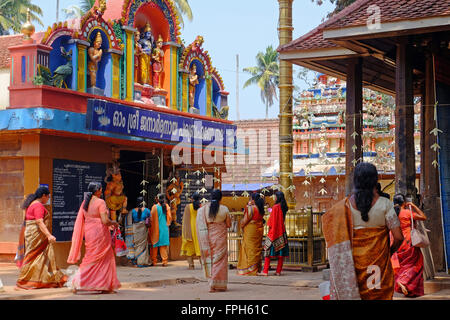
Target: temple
109 97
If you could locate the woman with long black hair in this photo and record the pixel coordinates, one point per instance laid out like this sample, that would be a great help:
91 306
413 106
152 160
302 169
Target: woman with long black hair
213 221
252 224
276 244
97 272
408 261
356 231
139 255
190 247
161 218
36 256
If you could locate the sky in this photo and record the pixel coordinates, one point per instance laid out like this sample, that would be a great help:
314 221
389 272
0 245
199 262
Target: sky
230 28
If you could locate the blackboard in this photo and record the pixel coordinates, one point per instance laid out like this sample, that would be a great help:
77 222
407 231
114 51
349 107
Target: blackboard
193 182
70 182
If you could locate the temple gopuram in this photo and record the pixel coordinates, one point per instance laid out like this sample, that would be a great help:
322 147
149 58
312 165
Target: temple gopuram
107 98
319 142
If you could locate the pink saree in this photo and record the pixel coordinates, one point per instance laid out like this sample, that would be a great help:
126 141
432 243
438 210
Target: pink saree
212 238
97 271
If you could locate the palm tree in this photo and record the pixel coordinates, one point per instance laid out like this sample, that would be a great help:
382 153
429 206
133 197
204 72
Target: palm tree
13 13
182 7
73 12
266 75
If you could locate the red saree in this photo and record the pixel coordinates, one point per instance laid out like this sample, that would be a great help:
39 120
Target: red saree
409 269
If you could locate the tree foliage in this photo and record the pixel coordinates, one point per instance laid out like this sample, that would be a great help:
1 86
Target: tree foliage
340 5
265 75
13 14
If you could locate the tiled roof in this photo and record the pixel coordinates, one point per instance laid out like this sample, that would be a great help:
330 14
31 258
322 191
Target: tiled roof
314 39
392 11
10 41
356 15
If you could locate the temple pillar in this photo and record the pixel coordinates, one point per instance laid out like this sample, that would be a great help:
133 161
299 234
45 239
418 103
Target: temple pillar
115 78
429 174
170 74
405 168
81 71
129 62
286 103
353 121
209 97
184 90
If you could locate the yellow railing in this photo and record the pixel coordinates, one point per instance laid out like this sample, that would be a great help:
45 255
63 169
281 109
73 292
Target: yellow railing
306 242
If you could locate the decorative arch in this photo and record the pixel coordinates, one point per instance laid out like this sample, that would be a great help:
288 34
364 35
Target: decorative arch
165 7
195 52
90 23
57 30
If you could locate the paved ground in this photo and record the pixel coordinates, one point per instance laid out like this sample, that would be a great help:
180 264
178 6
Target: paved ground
176 282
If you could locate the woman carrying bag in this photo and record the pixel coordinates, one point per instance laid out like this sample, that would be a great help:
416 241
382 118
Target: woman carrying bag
409 273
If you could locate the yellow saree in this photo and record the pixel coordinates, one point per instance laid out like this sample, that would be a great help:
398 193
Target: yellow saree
39 268
190 246
249 262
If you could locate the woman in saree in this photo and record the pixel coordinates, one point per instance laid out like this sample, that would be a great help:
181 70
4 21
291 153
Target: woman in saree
160 221
252 224
213 221
276 244
190 247
97 271
140 234
36 256
408 260
356 232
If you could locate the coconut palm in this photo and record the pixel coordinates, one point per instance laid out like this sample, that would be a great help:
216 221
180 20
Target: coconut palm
266 75
183 8
13 14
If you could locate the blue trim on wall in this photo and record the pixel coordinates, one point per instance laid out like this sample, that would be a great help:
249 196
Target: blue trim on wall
24 69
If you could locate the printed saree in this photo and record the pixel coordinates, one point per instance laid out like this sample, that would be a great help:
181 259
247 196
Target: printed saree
214 250
359 258
249 262
276 243
140 236
38 268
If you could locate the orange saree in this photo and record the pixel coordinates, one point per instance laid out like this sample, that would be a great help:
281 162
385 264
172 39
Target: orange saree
359 258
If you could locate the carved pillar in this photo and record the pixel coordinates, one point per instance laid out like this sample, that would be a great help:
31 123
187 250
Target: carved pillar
353 121
129 62
286 102
405 167
82 47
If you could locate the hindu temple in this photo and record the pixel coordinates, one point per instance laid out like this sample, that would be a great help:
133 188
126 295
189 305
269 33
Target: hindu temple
108 97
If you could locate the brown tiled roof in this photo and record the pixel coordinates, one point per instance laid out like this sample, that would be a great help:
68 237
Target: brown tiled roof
392 10
10 41
356 15
314 39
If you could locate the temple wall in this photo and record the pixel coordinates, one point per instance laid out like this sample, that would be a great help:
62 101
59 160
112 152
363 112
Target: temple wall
4 92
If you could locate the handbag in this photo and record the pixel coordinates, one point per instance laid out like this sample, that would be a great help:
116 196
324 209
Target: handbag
419 238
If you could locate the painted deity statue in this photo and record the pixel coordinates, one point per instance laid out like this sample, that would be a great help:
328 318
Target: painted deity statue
158 66
146 42
137 57
95 55
116 200
193 82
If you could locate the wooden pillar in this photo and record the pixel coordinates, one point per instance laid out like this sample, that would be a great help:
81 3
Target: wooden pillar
429 174
405 167
353 121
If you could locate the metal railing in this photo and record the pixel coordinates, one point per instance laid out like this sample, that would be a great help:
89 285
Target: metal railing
307 247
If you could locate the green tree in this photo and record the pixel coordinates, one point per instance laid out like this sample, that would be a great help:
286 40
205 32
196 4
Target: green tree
266 75
13 14
340 5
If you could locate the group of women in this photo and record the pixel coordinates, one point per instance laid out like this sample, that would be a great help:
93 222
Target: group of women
97 271
368 240
369 243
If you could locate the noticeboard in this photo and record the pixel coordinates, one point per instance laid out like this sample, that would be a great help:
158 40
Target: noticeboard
70 182
198 181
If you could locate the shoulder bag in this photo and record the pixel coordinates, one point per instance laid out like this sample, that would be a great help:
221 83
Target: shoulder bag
418 236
